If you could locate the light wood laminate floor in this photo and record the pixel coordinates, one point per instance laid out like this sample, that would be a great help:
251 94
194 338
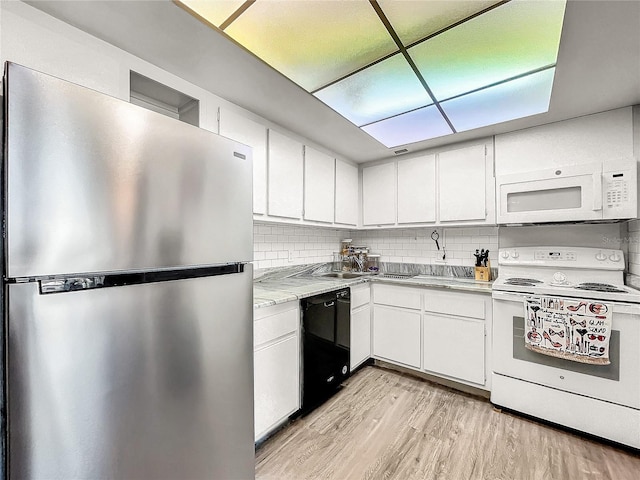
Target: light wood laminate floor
388 425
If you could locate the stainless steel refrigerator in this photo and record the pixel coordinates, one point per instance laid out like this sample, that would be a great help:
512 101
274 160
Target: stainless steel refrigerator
127 292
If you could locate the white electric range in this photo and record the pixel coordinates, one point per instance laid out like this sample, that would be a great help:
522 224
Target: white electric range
603 400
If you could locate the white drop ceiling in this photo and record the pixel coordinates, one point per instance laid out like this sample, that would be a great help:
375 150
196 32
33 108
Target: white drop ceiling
598 68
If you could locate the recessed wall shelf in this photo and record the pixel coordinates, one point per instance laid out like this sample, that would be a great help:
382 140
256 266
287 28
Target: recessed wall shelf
155 96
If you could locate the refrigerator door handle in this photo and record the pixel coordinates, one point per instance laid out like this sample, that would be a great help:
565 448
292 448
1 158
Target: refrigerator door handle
73 284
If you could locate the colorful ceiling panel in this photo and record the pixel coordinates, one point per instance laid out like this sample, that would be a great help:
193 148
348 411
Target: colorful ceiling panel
516 38
313 42
409 127
380 91
518 98
404 71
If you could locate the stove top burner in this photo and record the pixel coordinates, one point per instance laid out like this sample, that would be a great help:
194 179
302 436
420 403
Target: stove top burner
517 280
599 287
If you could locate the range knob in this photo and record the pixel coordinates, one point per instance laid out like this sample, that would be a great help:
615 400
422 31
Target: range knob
505 254
515 254
614 257
601 256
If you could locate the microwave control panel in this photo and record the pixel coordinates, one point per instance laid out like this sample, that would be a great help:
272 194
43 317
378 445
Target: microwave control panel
619 194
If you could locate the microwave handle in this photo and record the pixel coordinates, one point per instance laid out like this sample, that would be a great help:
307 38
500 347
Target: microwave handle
597 191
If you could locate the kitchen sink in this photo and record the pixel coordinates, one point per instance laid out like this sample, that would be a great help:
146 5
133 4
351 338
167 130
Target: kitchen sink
345 275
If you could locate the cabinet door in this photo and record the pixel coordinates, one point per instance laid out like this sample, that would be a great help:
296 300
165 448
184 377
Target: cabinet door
454 347
379 194
276 383
285 176
396 335
417 190
462 184
346 193
319 184
360 335
250 133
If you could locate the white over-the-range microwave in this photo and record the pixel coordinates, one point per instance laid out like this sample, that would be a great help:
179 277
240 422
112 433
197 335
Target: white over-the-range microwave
592 192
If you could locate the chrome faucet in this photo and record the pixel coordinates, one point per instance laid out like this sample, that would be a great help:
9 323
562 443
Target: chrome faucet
357 260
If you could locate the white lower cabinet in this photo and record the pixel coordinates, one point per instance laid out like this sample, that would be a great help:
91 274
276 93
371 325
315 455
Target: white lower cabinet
454 347
440 332
276 365
396 335
360 334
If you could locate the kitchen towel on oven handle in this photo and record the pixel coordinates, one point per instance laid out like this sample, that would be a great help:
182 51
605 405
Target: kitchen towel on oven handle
569 328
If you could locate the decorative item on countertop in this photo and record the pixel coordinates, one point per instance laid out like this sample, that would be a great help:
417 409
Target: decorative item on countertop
483 266
373 263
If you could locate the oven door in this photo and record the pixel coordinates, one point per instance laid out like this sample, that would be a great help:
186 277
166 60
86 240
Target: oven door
562 194
618 382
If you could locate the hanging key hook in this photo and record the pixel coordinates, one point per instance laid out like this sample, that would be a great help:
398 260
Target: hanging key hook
435 236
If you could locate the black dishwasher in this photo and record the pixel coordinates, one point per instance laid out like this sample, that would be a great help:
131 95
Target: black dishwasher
325 345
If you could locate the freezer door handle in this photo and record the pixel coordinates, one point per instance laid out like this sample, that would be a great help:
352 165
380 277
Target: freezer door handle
70 284
73 284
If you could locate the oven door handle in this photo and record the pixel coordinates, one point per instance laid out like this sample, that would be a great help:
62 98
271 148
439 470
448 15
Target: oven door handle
512 297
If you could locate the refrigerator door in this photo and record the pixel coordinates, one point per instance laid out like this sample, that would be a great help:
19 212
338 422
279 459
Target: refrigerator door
95 184
150 381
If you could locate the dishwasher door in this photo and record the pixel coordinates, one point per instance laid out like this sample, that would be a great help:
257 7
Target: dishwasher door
325 345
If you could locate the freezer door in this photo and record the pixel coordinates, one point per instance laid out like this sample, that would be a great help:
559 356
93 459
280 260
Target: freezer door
95 184
150 381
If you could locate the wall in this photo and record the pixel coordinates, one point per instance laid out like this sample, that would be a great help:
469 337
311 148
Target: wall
282 245
414 245
606 235
633 245
272 244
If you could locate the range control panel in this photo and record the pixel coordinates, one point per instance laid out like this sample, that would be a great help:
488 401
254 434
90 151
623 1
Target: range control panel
554 255
570 257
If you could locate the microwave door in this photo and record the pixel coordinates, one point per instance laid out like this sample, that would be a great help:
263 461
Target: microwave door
566 198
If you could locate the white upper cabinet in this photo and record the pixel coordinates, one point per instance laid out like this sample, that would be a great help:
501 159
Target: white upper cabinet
417 190
319 178
285 176
463 182
452 187
346 194
379 194
579 141
250 133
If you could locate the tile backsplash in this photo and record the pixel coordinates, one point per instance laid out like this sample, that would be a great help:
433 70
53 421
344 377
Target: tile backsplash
282 245
415 245
634 246
278 245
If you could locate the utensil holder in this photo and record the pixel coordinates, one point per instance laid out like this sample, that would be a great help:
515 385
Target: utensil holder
483 274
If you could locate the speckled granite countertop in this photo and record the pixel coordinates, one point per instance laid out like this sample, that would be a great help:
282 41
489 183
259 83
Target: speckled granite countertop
453 283
295 283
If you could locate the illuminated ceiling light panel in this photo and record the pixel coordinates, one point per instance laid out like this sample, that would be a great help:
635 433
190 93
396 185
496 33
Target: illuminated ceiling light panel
313 42
492 61
510 40
215 12
415 20
518 98
380 91
409 127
